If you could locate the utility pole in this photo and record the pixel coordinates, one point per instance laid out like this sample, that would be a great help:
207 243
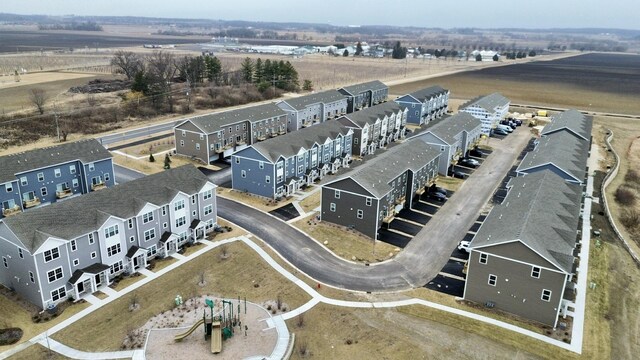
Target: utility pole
55 115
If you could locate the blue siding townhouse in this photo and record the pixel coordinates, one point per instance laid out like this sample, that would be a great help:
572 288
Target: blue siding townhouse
280 166
43 176
425 105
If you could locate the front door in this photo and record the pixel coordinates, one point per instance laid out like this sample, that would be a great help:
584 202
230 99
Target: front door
98 280
135 263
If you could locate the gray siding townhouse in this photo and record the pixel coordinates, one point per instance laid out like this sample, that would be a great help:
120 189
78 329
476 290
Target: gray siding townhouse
372 195
454 136
425 105
280 166
489 109
522 257
572 121
364 95
217 135
313 109
73 248
375 127
44 176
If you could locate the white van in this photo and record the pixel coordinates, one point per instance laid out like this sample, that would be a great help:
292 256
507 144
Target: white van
506 128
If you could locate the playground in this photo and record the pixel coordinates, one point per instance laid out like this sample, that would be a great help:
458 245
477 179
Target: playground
206 327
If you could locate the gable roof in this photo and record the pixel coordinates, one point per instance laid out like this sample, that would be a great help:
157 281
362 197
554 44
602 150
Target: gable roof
542 211
567 152
449 127
375 175
301 102
289 144
370 114
81 215
216 121
427 93
366 86
572 121
87 151
487 102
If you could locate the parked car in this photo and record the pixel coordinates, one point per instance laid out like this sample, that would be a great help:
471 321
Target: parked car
438 196
464 246
458 174
518 122
505 128
477 152
500 132
467 163
436 189
471 161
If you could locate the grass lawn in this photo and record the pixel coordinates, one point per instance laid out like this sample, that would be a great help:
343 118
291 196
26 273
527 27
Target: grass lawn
37 351
163 263
345 244
449 183
237 275
100 295
146 167
311 202
235 231
126 281
258 202
193 248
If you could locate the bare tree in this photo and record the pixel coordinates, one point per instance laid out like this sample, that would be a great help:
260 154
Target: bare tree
39 98
161 70
127 63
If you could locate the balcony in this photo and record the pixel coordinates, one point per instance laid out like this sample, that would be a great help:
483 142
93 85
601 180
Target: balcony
99 186
420 191
11 211
282 132
31 203
241 142
401 200
63 193
273 134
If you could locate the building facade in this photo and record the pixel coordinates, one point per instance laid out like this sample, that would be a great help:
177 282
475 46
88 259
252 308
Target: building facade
47 175
218 135
361 96
313 109
489 109
425 105
281 166
376 127
372 195
454 136
73 248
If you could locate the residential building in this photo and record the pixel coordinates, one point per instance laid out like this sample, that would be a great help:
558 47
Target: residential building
485 55
279 167
375 127
425 105
313 109
73 248
490 109
46 175
454 136
522 258
373 194
364 95
213 136
571 121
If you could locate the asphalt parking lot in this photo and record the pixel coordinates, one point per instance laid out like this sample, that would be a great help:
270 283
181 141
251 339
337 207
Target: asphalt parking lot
286 212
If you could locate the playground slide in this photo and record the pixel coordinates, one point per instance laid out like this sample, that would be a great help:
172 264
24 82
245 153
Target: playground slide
216 338
179 337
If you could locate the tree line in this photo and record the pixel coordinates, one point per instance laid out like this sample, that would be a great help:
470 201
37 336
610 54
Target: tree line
279 74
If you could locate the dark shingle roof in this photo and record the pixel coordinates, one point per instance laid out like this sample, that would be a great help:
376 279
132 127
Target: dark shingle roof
542 211
301 102
215 121
290 144
448 128
86 151
78 216
358 88
487 102
562 149
572 121
95 268
428 93
370 114
376 174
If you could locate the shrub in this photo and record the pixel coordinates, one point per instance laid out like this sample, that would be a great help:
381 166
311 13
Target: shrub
625 196
632 176
630 219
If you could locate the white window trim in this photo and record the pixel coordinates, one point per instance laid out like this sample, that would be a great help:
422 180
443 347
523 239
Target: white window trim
495 280
54 272
543 294
533 270
483 259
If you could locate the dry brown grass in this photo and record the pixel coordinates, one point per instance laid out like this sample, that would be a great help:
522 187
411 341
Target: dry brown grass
146 167
311 202
127 280
37 351
256 201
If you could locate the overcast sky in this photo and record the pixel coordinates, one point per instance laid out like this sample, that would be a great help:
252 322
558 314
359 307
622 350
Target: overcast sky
425 13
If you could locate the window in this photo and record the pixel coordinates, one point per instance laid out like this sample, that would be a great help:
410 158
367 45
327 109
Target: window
93 254
337 194
261 164
193 198
152 251
57 173
4 262
237 160
115 268
20 253
148 217
243 174
178 205
40 176
207 195
369 201
149 234
359 214
332 207
90 239
355 141
197 146
132 239
51 255
208 209
201 136
74 182
58 294
8 187
535 272
74 246
55 274
184 133
181 142
111 231
23 181
165 225
492 280
113 250
92 166
31 277
546 295
76 262
164 211
181 221
72 169
43 191
130 223
107 176
483 258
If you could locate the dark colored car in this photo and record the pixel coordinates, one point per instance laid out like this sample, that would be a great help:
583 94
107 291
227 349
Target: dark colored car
437 189
438 196
500 132
477 153
458 174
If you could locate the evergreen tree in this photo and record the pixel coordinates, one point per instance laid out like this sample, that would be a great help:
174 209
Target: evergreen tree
258 74
307 85
151 158
140 83
399 52
246 68
214 69
358 49
167 161
495 57
345 53
478 57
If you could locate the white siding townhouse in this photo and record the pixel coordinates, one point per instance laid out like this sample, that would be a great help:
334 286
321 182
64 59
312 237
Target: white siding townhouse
73 248
489 109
